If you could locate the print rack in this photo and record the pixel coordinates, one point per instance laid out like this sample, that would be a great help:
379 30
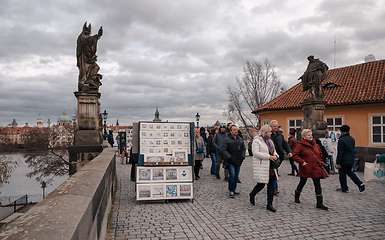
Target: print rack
165 166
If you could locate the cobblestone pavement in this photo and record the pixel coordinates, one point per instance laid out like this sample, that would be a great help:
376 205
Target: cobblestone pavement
213 215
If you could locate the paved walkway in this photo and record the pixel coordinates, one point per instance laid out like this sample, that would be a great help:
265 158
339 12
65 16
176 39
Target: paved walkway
213 215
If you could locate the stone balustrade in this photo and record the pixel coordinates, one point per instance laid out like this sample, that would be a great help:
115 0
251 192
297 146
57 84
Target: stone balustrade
77 209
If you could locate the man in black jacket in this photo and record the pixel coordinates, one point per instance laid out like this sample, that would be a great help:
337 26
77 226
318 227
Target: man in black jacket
280 144
233 150
345 160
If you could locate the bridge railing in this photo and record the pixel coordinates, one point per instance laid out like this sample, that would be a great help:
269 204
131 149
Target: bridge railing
77 209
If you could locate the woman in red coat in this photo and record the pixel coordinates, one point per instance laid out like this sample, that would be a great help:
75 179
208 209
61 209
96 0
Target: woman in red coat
309 158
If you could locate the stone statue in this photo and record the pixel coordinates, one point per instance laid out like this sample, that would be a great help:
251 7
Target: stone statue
313 77
89 79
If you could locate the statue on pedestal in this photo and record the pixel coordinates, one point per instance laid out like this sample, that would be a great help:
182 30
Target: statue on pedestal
89 79
313 77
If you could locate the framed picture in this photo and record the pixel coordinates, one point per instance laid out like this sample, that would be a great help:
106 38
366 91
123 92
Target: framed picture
150 126
179 134
172 142
143 150
165 126
144 191
171 174
179 142
158 142
172 134
143 134
179 127
157 174
165 134
151 150
186 127
158 126
180 155
186 135
185 190
143 126
154 158
158 134
185 174
165 141
171 126
165 150
151 142
158 150
171 190
144 174
143 142
158 191
150 134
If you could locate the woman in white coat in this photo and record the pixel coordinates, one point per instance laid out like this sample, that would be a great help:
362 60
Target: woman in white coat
264 173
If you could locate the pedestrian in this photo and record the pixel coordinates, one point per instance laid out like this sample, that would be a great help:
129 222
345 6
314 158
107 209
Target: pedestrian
264 172
134 161
292 141
233 150
211 150
280 144
202 132
199 153
309 157
110 138
217 141
345 160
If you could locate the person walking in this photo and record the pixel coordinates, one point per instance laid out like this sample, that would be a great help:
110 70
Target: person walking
345 160
292 141
211 150
217 141
280 144
309 157
234 151
199 153
110 138
263 171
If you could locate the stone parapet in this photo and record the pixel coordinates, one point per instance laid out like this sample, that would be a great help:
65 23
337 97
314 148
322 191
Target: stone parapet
77 209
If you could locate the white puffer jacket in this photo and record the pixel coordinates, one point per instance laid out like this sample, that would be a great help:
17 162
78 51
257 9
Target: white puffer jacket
261 160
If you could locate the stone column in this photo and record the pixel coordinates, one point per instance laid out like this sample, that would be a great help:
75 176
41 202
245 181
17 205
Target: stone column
89 125
313 117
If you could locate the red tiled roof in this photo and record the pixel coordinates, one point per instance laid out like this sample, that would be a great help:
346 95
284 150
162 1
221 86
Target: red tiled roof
362 83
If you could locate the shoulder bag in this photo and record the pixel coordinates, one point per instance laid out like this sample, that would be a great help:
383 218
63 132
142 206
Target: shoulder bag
325 174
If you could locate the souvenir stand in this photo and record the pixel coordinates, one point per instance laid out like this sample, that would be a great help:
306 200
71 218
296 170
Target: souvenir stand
165 166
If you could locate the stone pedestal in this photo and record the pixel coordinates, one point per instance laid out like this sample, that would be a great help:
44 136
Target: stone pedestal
88 134
313 117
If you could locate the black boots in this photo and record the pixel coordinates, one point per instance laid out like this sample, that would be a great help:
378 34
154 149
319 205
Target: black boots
252 200
270 196
320 203
296 196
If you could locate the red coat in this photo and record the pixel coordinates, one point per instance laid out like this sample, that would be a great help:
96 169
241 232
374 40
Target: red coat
303 153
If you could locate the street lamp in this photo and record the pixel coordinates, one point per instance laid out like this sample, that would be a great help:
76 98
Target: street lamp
105 120
197 118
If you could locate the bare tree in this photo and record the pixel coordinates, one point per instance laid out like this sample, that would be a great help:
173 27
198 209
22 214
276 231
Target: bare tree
7 166
47 154
259 84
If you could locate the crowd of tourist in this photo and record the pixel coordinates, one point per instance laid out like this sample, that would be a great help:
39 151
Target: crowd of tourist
226 148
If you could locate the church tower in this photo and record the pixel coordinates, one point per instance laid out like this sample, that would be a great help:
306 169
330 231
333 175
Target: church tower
39 122
157 119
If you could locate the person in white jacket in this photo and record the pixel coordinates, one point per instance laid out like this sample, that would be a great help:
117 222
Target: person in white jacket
263 171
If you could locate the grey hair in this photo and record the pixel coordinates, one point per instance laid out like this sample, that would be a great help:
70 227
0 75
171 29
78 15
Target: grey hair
264 129
273 121
304 132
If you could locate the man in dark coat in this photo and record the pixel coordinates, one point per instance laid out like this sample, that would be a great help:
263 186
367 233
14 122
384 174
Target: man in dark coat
233 150
280 144
345 160
217 141
110 138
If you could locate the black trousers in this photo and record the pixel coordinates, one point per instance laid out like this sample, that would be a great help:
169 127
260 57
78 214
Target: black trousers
197 167
316 182
270 186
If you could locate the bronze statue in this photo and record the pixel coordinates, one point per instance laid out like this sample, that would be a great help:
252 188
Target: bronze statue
89 79
313 77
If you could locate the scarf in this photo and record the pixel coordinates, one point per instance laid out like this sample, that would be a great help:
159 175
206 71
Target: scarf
270 146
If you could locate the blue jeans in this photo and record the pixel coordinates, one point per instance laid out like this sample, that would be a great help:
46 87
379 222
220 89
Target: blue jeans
233 179
347 170
213 162
276 183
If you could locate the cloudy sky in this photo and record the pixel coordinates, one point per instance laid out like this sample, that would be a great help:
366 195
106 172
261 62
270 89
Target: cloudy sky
177 55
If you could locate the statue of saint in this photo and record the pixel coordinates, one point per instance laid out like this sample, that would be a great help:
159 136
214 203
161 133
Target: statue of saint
313 77
89 79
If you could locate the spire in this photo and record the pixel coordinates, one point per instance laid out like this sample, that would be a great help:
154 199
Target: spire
117 122
157 119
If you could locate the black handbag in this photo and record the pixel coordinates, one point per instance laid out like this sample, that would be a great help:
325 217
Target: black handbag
276 163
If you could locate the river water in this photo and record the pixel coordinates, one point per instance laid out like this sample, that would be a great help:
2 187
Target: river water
19 184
